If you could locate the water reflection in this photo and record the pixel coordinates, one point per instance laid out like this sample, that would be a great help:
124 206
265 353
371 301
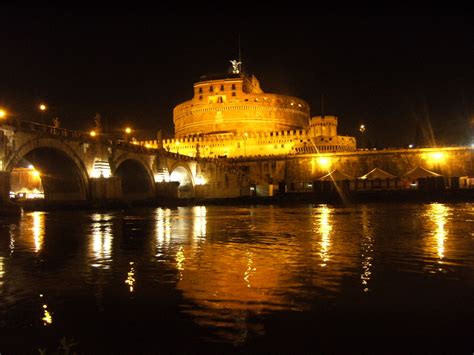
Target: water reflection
38 230
47 316
100 248
130 280
438 214
199 225
2 272
163 229
367 246
324 228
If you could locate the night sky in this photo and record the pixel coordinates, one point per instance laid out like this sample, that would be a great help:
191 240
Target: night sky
389 73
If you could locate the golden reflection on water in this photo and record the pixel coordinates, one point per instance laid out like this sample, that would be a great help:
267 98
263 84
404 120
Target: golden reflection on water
2 273
163 229
199 225
324 227
367 246
38 229
47 316
130 280
101 245
438 214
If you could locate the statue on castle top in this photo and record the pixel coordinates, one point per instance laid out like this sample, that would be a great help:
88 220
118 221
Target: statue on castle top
235 66
56 122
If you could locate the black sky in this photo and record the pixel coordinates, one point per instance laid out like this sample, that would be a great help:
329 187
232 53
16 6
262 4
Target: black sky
133 68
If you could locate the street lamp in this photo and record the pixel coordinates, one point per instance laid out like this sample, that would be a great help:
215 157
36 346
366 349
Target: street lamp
127 131
93 133
362 131
3 113
42 108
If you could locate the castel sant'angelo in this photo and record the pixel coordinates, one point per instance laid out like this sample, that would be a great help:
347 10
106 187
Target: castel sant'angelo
231 116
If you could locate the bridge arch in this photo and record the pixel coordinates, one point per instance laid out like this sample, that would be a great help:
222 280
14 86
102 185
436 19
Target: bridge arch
136 176
63 173
181 173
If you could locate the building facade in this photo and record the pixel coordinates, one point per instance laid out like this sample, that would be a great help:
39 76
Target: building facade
231 116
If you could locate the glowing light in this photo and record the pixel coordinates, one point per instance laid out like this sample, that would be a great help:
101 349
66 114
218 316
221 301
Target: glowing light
200 222
128 130
130 280
362 128
101 169
439 214
199 180
31 166
36 173
180 258
42 107
410 146
3 113
367 250
101 246
325 228
38 229
162 176
437 157
324 162
93 133
2 272
47 316
163 228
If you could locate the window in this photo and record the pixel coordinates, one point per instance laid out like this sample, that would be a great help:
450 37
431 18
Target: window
211 88
219 100
233 94
200 97
200 90
222 87
233 86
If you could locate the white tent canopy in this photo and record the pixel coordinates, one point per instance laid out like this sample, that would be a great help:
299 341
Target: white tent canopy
377 173
420 172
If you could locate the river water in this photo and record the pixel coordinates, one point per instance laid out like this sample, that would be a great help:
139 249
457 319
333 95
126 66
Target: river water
385 278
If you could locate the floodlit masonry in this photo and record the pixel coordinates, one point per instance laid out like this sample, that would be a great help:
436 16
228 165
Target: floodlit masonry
230 116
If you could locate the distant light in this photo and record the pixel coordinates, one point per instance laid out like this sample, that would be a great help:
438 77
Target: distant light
200 180
31 166
93 133
362 128
324 162
410 146
42 107
36 173
128 130
3 113
101 169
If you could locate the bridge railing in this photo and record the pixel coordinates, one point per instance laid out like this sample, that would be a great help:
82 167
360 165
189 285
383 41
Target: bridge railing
57 131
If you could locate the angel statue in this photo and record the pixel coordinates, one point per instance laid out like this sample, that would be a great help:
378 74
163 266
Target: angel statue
235 66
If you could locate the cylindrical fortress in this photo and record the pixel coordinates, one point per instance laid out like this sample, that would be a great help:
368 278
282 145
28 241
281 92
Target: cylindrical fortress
236 105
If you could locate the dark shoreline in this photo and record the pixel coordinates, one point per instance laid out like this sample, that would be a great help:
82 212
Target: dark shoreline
354 197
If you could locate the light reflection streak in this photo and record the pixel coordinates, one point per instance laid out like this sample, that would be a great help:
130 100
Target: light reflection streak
2 272
438 214
38 229
200 222
163 228
101 247
47 316
250 269
325 229
180 258
130 280
367 246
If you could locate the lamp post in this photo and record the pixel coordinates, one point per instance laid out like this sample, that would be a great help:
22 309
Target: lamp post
362 131
3 114
127 131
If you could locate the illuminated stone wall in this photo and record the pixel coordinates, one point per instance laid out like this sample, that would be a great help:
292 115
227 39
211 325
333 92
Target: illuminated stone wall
449 162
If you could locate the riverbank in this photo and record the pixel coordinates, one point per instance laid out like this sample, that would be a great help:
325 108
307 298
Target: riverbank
332 197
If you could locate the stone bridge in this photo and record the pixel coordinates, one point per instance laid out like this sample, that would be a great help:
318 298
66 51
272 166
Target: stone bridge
76 166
